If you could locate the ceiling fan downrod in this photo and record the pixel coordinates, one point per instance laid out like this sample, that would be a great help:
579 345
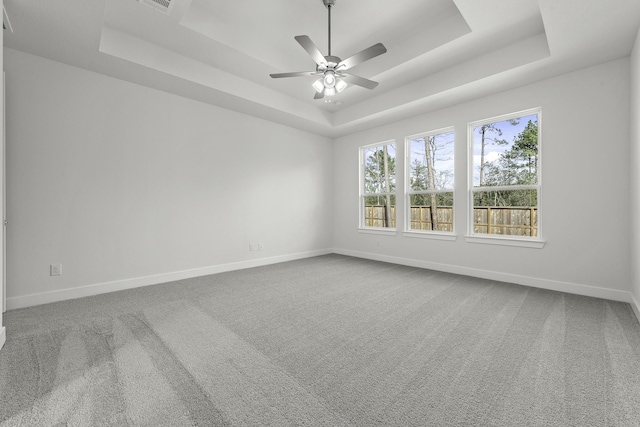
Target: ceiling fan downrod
329 4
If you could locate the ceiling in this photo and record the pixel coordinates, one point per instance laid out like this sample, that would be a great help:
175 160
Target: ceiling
440 52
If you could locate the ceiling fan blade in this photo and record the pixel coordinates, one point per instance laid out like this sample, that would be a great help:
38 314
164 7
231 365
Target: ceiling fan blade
295 74
359 81
319 95
311 49
363 55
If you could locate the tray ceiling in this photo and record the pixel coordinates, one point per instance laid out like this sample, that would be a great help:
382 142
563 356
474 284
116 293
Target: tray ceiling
440 52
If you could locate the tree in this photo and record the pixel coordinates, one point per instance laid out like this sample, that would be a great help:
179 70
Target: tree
485 139
379 175
375 180
516 166
387 205
427 153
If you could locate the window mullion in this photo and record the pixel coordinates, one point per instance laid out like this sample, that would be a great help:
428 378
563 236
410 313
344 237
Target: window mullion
505 188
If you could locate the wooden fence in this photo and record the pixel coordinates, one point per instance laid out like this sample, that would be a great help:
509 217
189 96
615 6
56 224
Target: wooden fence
503 220
509 221
421 218
375 216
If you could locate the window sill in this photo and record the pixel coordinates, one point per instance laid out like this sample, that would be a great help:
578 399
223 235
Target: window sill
506 241
430 235
382 231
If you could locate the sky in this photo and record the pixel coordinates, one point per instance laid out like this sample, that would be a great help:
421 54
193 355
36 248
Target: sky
443 162
445 143
492 151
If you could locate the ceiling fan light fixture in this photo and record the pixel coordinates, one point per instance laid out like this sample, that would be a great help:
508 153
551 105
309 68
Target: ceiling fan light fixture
340 85
318 85
329 91
329 79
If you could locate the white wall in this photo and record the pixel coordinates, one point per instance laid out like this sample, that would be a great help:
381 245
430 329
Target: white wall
126 185
585 188
635 173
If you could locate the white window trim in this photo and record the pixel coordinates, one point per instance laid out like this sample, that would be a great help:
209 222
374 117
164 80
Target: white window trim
495 239
424 234
378 230
361 194
429 234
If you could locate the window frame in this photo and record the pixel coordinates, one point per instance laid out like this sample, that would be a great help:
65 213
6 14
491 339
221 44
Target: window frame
426 234
362 194
496 239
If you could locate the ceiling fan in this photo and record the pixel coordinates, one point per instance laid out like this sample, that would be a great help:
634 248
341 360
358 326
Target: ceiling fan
332 69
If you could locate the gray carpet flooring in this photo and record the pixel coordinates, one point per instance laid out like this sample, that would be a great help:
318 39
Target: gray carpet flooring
325 341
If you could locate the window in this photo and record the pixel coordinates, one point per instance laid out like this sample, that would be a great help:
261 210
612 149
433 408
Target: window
505 166
429 181
378 177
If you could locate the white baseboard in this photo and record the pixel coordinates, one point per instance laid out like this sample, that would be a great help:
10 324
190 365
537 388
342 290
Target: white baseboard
3 336
554 285
101 288
636 306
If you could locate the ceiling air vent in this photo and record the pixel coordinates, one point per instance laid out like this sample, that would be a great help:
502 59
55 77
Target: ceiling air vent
163 6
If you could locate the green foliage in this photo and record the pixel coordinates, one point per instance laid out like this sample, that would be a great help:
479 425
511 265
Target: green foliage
375 180
516 166
491 129
512 198
419 178
439 149
441 199
519 164
379 200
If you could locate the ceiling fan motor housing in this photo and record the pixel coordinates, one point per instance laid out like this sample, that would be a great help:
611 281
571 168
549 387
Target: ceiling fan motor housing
330 64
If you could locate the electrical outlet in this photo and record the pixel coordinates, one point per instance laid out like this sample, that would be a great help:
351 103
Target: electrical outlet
252 247
260 246
55 269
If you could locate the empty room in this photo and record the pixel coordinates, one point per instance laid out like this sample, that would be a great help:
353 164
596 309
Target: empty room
320 213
